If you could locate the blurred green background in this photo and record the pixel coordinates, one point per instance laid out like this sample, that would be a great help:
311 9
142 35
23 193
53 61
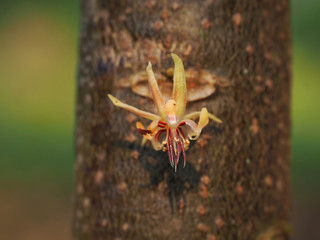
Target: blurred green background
38 60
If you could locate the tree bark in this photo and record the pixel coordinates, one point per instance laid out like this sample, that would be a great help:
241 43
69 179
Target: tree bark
236 181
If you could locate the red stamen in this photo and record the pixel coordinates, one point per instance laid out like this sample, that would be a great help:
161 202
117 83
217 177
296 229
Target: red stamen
171 139
170 147
182 124
179 148
183 136
184 155
143 131
175 164
161 124
158 134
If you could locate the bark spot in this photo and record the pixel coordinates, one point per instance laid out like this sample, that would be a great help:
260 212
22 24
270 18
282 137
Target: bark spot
259 79
150 4
249 49
79 159
206 24
80 140
280 185
255 126
104 222
268 181
86 202
201 210
211 237
98 177
131 137
205 179
131 118
219 222
158 25
269 83
202 228
79 214
122 187
164 15
258 89
267 55
135 155
125 227
175 6
101 155
88 99
203 192
237 19
239 189
181 207
79 188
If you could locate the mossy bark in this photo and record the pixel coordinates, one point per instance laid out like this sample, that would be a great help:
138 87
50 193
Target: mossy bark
236 181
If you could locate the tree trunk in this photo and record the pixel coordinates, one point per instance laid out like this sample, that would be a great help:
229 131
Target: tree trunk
236 181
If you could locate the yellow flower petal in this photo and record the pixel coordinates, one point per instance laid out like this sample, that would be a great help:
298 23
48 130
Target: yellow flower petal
203 120
156 144
144 141
144 132
140 125
153 126
194 129
132 109
197 114
157 96
171 107
179 85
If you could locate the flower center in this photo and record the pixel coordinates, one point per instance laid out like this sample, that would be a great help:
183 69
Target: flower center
173 121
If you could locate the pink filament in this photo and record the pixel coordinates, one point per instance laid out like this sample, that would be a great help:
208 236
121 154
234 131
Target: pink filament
174 157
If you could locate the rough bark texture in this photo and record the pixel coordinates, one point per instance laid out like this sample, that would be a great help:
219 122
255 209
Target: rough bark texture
236 182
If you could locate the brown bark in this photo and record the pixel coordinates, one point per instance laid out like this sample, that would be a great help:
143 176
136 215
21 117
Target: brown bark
236 182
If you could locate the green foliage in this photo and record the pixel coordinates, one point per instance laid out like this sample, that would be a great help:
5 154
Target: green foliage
38 45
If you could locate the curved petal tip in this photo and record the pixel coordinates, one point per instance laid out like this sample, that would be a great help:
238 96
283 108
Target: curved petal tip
179 85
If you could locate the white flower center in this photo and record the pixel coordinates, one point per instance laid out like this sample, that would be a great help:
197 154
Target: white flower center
173 121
